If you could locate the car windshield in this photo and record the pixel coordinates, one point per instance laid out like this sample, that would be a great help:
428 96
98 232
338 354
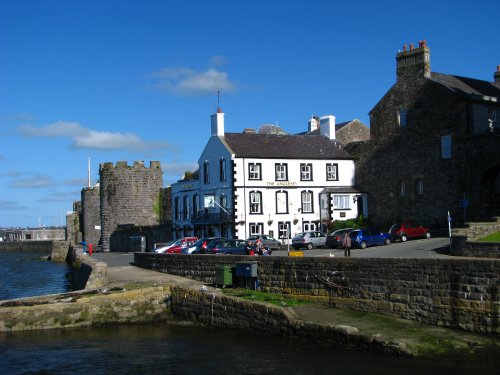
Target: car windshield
302 234
253 237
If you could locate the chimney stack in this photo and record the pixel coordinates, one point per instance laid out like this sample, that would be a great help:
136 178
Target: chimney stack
496 75
217 121
313 124
327 126
414 62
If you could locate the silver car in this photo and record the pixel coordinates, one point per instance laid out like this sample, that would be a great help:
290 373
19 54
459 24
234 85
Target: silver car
268 241
309 240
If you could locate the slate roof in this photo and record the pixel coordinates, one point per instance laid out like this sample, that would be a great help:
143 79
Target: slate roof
284 146
464 86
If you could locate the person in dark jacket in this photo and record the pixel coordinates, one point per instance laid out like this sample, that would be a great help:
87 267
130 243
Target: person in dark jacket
346 244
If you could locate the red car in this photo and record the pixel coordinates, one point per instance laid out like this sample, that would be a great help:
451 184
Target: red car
181 244
408 230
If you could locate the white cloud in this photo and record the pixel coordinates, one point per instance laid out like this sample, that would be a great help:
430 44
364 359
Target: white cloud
33 182
175 171
10 206
84 138
188 82
56 197
218 60
76 182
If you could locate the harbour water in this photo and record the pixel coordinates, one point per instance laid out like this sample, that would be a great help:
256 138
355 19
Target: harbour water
186 349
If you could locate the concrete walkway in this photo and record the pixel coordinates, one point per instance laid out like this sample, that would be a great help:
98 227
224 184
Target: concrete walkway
121 271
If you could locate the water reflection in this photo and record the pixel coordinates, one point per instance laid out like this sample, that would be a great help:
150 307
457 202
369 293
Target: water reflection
159 348
30 274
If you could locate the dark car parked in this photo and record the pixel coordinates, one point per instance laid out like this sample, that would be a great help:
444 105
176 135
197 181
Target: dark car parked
225 246
202 244
363 238
407 230
334 240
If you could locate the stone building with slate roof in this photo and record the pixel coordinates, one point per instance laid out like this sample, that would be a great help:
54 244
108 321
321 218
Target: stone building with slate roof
434 148
268 183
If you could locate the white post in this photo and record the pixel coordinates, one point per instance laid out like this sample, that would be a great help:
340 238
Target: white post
449 227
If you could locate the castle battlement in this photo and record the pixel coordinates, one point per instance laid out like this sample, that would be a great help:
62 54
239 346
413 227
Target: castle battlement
124 165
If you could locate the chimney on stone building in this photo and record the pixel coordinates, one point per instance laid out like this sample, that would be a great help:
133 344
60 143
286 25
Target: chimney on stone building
414 61
496 75
327 126
217 121
312 124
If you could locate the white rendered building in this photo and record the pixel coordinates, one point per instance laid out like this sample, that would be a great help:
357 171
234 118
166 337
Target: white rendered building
277 184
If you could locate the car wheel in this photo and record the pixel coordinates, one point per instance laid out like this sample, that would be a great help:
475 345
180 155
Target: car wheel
387 241
362 245
427 234
309 246
404 238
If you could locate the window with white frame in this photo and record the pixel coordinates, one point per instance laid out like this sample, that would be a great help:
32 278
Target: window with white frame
222 169
196 204
341 202
281 202
446 147
256 228
492 114
254 171
419 187
177 209
281 172
306 172
402 117
402 189
185 207
223 201
284 230
255 202
308 226
307 201
331 172
206 172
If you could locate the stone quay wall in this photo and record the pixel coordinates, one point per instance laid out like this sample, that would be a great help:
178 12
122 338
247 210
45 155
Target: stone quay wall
227 312
71 310
454 293
462 247
56 250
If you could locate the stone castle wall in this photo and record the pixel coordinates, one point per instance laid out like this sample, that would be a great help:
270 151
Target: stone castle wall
128 197
456 293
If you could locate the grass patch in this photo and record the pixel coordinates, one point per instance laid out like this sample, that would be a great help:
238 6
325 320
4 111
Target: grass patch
272 298
494 237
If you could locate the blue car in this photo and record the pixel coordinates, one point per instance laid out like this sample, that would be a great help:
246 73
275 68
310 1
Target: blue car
363 238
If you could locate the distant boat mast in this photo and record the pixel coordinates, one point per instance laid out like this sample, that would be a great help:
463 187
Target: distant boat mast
88 173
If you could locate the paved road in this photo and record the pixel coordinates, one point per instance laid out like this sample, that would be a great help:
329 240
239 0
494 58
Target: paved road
423 248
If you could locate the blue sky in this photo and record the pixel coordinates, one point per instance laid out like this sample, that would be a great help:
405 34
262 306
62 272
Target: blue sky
138 80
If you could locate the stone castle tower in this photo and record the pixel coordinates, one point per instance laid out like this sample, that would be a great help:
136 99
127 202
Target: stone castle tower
91 218
129 196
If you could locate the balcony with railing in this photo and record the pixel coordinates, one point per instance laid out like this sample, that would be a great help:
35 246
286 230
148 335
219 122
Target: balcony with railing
220 217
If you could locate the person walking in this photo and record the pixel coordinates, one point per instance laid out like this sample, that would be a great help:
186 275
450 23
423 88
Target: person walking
346 244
